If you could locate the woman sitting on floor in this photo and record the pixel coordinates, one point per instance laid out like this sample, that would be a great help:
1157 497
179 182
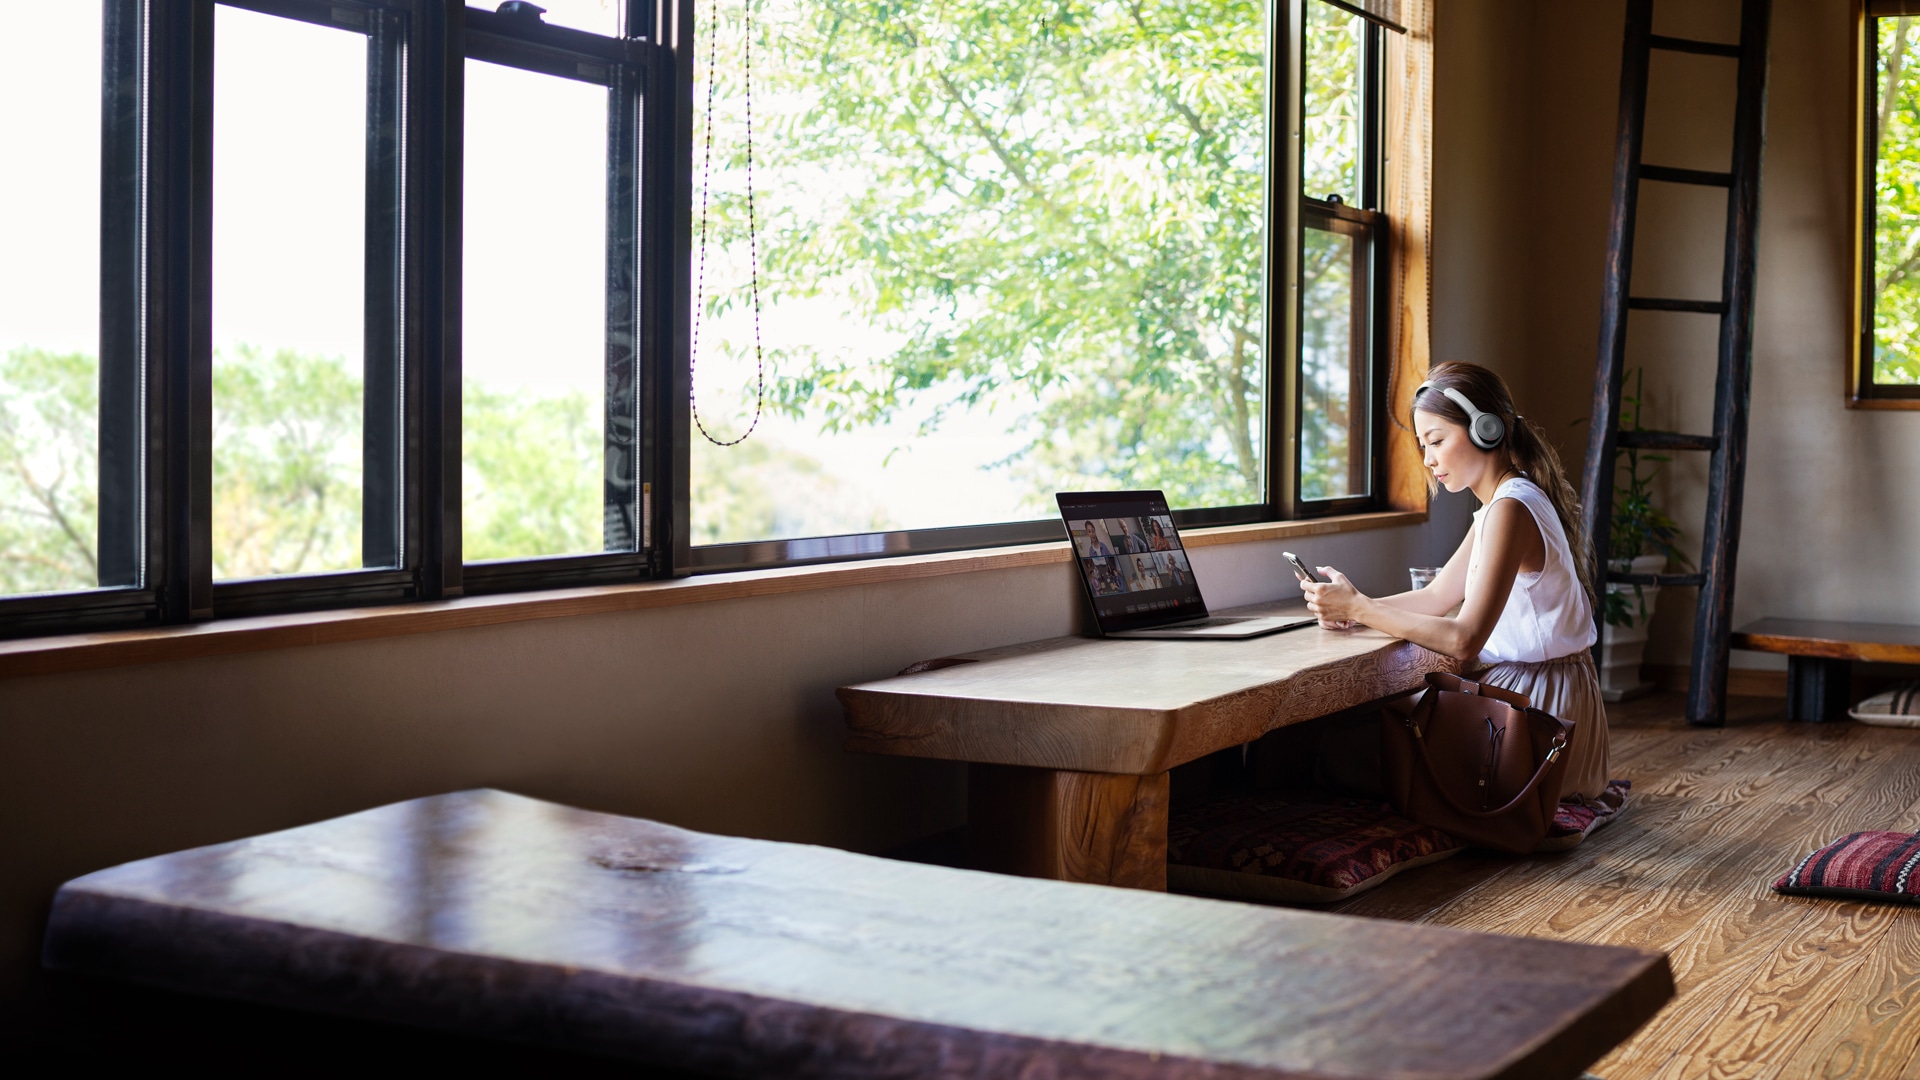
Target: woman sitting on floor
1520 578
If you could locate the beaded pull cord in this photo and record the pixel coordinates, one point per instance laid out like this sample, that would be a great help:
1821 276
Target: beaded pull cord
753 237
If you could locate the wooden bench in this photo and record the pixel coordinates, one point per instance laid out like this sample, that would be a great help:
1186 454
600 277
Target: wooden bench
492 914
1820 655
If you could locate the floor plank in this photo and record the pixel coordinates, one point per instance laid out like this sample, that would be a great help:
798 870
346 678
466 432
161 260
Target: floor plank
1724 924
1770 986
1873 1025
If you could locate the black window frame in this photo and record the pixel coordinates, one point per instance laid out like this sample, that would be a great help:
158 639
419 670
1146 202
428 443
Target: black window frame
389 524
1864 390
155 344
629 70
1365 221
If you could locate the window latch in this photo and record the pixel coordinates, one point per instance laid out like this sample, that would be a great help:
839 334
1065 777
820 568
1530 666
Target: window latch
522 11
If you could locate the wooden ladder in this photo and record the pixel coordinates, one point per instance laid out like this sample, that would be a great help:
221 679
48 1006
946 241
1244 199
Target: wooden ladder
1707 691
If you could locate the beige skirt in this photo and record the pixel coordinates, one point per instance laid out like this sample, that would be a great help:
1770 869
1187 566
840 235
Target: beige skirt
1569 689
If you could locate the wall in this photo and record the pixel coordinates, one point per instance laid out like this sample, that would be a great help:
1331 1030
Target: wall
1832 494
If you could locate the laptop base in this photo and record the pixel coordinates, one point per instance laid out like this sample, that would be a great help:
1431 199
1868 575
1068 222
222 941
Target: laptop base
1227 628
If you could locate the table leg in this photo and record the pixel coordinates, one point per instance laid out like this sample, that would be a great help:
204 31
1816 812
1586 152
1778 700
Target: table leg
1104 828
1817 688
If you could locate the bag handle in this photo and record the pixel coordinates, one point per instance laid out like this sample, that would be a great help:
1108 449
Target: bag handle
1559 744
1450 683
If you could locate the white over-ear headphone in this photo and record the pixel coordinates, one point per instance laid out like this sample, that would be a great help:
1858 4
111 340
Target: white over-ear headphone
1484 430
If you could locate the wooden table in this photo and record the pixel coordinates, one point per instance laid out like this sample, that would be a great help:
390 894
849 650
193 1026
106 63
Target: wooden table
1070 739
505 917
1820 655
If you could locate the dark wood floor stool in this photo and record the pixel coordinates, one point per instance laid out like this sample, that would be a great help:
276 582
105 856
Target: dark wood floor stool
1820 656
505 917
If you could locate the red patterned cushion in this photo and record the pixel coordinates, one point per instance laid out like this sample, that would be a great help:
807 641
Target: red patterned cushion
1578 818
1270 847
1862 865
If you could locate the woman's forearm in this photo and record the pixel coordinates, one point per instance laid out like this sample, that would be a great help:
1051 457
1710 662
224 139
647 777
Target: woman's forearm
1438 632
1419 601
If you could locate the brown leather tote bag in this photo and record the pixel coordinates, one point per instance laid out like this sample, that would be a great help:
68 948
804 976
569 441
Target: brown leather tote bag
1475 761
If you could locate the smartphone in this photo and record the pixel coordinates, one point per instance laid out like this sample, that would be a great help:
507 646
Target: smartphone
1301 569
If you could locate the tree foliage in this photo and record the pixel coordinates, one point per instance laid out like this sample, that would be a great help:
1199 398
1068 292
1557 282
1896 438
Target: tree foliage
531 474
49 471
286 463
287 471
1896 307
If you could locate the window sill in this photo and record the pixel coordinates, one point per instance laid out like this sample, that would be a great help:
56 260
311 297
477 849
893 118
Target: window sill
1858 402
83 652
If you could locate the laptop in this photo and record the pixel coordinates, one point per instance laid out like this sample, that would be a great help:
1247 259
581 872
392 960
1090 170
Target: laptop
1136 572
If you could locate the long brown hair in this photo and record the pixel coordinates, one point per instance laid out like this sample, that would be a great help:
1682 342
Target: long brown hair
1526 447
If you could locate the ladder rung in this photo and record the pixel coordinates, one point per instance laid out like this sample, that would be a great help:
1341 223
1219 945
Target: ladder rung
1667 440
1705 48
1655 303
1686 176
1656 579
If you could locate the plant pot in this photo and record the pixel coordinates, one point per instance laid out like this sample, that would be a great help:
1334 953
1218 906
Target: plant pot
1623 648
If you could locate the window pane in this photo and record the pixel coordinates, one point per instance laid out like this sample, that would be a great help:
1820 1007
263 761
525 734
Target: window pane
1333 398
1004 248
1896 240
289 249
1331 104
533 380
50 94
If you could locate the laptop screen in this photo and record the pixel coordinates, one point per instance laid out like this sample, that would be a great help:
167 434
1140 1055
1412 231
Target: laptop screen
1130 559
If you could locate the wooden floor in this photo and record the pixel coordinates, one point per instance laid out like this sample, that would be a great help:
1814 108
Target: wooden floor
1770 986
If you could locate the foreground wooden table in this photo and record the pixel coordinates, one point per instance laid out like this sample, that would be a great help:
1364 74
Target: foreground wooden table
1820 655
501 916
1071 738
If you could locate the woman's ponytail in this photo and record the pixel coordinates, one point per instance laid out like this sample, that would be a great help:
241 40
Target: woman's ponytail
1536 457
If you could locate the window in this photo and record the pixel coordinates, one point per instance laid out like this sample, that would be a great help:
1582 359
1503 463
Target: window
325 303
549 457
301 252
1342 239
50 262
1887 359
290 324
991 251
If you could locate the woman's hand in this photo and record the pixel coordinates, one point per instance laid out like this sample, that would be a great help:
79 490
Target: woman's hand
1336 601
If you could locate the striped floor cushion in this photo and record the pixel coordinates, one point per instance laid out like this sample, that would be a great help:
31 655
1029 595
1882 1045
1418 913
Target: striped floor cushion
1293 849
1861 866
1899 707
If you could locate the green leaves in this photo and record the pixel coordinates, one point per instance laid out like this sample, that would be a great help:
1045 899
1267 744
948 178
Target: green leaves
531 474
1638 527
286 463
49 471
1896 237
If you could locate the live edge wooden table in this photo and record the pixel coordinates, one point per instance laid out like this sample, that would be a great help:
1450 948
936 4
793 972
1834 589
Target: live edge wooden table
1070 739
490 914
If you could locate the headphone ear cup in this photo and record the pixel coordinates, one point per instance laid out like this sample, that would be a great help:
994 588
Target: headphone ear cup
1488 431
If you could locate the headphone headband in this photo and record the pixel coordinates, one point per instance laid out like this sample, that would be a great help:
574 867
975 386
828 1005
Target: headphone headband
1484 429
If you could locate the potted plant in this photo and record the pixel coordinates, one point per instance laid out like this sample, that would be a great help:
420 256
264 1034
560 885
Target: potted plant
1640 540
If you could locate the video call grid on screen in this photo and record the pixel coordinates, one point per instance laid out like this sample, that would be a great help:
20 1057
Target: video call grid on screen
1132 559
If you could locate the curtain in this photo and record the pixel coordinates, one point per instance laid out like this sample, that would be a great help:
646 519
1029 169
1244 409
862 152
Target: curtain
1408 198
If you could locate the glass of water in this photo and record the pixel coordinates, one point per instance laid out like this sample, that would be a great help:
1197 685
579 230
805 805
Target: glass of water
1423 575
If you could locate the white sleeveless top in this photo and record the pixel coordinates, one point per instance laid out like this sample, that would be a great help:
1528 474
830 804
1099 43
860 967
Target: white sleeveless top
1547 614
